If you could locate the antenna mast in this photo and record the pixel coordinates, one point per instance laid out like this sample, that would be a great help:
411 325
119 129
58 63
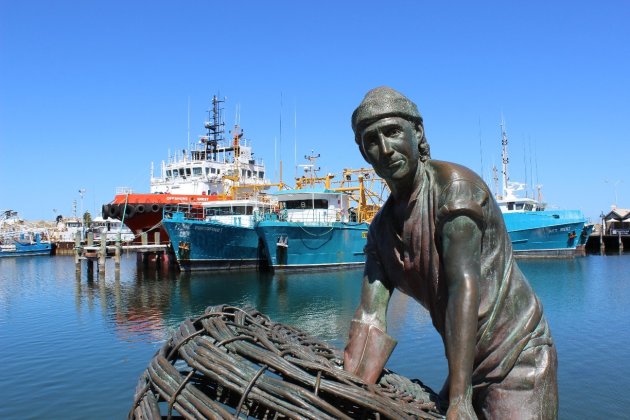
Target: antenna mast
215 127
504 158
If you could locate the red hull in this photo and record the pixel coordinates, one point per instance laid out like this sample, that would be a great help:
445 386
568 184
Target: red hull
143 212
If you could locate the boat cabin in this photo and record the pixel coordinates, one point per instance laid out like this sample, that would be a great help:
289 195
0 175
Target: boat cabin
233 212
313 206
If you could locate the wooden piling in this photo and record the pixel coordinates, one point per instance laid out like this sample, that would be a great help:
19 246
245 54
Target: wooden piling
117 252
102 254
77 251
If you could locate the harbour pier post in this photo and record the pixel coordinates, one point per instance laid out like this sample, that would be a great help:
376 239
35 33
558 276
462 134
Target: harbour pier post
102 254
151 253
117 252
89 255
77 251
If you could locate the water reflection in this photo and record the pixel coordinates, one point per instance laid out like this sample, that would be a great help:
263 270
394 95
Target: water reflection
147 303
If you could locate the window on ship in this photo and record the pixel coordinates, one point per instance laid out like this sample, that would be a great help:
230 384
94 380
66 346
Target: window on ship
168 173
510 206
318 203
188 171
197 170
228 211
261 175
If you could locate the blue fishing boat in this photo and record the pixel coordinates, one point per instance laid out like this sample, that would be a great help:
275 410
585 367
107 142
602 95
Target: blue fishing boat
216 235
545 232
322 224
313 228
25 243
534 230
20 239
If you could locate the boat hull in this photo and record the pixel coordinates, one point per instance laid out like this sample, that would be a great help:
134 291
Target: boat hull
549 233
208 245
26 250
295 246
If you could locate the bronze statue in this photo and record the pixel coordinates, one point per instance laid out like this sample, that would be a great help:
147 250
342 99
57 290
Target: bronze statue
441 239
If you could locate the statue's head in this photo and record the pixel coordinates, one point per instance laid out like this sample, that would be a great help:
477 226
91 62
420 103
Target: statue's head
383 102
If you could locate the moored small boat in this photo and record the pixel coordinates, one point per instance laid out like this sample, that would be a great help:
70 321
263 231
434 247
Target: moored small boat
25 243
20 239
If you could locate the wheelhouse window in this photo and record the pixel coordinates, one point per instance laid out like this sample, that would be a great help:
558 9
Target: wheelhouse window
197 170
230 211
318 203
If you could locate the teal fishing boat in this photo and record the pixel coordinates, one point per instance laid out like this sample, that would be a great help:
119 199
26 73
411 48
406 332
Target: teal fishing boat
217 235
313 228
322 223
534 230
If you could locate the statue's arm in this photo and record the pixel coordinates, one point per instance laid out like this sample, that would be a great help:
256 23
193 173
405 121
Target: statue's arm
368 346
461 254
375 296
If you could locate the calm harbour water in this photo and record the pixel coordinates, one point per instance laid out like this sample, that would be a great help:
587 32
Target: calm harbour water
73 346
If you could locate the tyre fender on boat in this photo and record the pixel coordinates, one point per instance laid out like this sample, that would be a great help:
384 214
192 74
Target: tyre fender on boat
105 211
155 208
140 208
113 211
131 211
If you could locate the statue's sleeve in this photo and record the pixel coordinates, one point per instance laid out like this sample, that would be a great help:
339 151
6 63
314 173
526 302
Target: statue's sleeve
462 198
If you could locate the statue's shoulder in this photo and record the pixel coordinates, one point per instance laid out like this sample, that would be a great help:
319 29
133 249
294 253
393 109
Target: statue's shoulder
448 172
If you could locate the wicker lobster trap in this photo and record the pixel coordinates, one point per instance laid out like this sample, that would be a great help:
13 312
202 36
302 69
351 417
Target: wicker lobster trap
236 363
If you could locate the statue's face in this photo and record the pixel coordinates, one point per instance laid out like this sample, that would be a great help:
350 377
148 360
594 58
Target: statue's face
391 147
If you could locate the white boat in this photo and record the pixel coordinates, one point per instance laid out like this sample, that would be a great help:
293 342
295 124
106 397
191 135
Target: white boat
110 229
214 169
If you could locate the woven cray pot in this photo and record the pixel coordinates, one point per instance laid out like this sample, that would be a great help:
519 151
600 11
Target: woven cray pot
236 363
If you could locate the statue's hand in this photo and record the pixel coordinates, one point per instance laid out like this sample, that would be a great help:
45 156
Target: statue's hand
461 409
367 351
355 346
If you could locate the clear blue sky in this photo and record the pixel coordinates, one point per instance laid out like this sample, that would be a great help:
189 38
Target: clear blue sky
92 92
